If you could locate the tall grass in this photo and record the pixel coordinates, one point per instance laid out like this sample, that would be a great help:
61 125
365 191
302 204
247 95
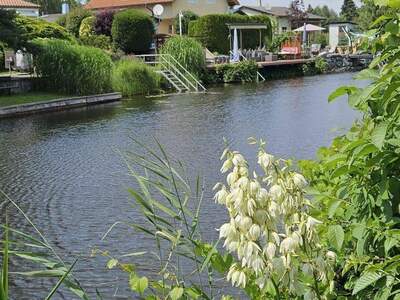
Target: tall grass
133 77
73 69
34 248
187 51
170 204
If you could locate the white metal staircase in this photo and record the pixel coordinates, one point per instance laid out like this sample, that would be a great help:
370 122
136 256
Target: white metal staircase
177 75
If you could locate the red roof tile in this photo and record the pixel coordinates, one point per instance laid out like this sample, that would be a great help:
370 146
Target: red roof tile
102 4
17 3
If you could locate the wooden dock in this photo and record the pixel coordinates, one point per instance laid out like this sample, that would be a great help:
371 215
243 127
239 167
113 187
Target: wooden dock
285 62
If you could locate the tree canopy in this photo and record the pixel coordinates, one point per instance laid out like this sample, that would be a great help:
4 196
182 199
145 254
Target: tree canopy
349 10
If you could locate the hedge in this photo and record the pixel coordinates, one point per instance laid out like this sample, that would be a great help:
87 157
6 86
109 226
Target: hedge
213 33
33 28
187 17
73 69
132 31
244 71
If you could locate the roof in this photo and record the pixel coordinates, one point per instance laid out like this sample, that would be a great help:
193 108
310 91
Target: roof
278 11
17 4
103 4
115 4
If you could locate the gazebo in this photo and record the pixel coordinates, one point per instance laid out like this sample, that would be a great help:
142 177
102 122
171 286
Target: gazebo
236 42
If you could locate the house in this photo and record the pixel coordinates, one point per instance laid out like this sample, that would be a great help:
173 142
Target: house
281 15
171 8
22 7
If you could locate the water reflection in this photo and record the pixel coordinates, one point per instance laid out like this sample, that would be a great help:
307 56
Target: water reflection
64 170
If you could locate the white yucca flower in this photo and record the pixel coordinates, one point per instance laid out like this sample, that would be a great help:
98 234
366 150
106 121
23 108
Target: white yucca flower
226 166
238 160
220 196
331 256
276 192
255 232
257 206
265 160
299 181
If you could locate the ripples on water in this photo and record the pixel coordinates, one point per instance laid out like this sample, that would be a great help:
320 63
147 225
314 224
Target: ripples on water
64 170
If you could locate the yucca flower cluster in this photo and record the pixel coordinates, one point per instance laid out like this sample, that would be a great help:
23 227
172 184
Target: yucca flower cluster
270 229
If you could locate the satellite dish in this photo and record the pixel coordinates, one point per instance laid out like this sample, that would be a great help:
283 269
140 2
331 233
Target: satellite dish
158 10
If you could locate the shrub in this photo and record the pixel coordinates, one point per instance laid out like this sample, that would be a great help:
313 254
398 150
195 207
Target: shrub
11 34
213 33
103 23
33 28
1 56
132 31
87 26
187 51
99 41
132 77
62 20
74 19
321 65
244 71
187 17
72 69
277 41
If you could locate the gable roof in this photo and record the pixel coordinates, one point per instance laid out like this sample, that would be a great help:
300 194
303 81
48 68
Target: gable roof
17 4
278 11
115 4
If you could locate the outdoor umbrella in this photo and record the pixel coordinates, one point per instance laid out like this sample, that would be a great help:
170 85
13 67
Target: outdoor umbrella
309 28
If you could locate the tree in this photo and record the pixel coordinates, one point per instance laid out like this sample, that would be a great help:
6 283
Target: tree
132 31
53 6
349 10
297 12
369 12
329 14
187 17
11 34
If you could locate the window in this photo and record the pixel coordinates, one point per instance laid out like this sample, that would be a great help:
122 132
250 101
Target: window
284 29
192 1
211 1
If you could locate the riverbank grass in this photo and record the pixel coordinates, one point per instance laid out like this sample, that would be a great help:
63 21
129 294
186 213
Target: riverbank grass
25 98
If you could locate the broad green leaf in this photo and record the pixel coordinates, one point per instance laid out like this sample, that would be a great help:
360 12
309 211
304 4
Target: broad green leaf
390 3
390 243
366 280
344 90
378 135
333 207
176 293
336 236
138 284
367 74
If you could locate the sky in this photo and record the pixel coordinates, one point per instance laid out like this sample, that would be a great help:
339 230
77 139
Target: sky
335 4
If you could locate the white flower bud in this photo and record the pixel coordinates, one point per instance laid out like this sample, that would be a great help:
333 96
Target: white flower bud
245 223
307 269
299 181
225 230
220 196
270 250
242 280
331 256
255 232
265 160
238 160
231 178
276 192
288 245
255 187
312 222
243 171
257 264
226 166
243 183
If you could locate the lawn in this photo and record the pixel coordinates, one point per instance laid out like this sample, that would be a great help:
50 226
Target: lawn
7 100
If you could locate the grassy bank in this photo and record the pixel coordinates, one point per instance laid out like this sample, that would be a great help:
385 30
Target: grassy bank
8 100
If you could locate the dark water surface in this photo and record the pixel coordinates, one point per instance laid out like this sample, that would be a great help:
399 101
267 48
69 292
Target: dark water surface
64 169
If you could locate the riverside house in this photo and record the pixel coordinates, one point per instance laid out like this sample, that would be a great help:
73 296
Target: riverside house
24 8
171 8
281 15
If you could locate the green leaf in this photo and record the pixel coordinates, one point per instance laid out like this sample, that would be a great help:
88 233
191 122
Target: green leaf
176 293
366 280
112 263
138 284
378 135
344 90
333 207
336 236
55 288
389 244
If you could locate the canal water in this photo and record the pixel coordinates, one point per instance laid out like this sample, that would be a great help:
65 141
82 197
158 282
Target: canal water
65 169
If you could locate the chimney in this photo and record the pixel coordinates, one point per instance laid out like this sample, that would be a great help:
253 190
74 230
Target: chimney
64 8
